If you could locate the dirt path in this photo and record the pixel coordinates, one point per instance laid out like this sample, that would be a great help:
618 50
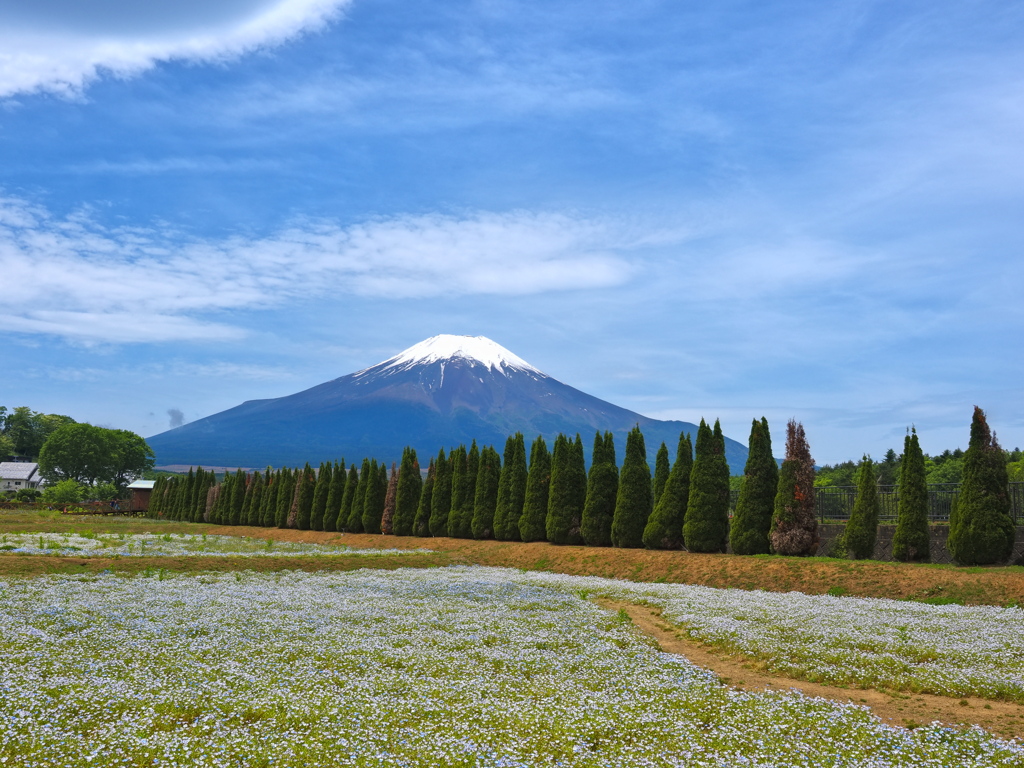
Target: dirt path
903 709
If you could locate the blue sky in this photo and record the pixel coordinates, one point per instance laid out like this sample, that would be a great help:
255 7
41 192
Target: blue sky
728 210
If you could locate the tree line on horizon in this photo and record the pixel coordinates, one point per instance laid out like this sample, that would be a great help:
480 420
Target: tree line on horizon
477 493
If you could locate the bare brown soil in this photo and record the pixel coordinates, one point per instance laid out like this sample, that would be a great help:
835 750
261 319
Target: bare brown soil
903 709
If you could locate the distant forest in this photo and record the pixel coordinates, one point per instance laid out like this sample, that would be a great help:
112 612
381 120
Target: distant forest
946 467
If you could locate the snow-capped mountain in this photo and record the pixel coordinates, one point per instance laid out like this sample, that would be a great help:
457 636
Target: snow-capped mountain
443 391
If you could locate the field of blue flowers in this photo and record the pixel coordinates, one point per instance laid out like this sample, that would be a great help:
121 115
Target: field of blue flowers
460 666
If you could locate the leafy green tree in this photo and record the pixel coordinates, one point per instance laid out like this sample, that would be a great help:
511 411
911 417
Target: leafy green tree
634 501
794 524
421 525
486 496
441 501
602 489
63 492
706 526
90 455
24 431
408 493
661 470
567 493
321 491
911 541
79 452
130 458
533 521
664 529
862 528
982 530
511 490
888 470
748 533
335 496
842 475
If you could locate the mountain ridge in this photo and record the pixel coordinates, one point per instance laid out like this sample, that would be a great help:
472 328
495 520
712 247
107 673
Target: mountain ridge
444 391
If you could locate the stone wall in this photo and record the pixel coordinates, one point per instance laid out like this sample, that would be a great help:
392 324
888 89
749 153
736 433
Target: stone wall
883 545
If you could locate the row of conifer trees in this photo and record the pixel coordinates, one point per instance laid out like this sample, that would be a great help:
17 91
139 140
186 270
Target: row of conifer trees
476 493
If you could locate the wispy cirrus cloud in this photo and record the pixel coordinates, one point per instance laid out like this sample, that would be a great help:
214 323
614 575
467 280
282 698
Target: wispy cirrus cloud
60 46
76 279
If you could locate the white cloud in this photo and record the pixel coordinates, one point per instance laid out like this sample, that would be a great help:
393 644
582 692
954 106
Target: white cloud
76 279
60 46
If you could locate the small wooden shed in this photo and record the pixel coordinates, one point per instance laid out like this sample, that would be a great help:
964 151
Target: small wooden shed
141 491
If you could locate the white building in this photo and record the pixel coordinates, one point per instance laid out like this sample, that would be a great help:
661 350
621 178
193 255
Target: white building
15 475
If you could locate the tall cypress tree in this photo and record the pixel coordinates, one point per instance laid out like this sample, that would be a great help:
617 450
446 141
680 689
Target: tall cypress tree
421 525
982 531
238 490
387 520
794 524
911 541
457 459
862 527
464 518
441 501
635 500
285 491
320 493
533 521
243 515
486 497
748 533
153 510
335 495
304 498
266 518
602 488
348 500
355 518
567 494
198 496
185 496
206 504
706 527
373 501
661 470
255 493
511 490
664 529
408 493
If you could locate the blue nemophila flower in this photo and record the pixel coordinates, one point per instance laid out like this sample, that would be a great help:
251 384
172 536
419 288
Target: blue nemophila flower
455 667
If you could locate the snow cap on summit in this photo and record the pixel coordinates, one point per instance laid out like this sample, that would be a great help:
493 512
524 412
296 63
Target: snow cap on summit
446 346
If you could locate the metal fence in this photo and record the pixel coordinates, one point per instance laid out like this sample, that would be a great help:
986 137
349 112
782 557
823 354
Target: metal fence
834 504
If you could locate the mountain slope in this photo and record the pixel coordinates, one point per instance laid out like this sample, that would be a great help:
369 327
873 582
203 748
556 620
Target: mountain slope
441 392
